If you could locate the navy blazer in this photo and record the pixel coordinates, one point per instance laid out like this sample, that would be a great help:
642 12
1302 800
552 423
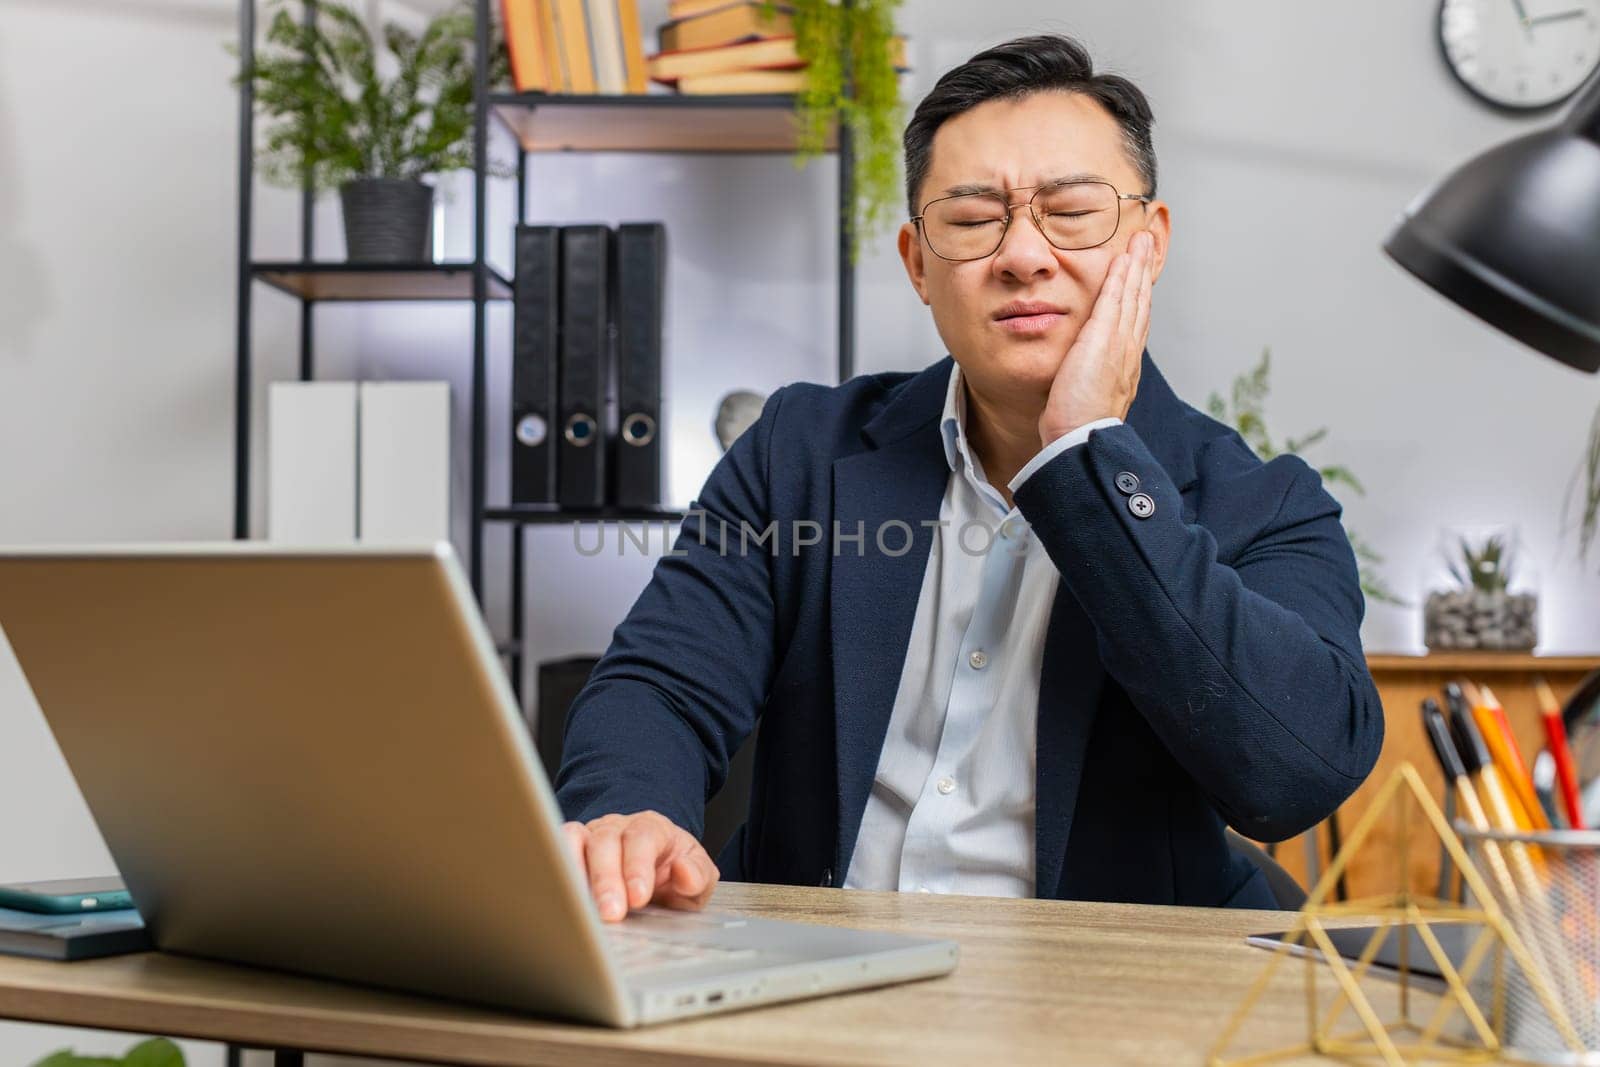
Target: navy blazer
1202 663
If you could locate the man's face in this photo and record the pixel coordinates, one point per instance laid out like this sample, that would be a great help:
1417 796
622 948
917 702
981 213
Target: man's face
1015 145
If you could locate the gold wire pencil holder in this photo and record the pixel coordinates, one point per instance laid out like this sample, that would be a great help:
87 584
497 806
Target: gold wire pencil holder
1475 1036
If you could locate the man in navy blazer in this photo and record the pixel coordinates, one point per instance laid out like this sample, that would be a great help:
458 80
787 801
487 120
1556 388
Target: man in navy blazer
1155 636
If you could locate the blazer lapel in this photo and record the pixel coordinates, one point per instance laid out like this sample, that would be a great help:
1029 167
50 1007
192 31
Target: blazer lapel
874 594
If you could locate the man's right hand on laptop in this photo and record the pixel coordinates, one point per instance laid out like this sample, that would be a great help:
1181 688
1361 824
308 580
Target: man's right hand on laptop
639 859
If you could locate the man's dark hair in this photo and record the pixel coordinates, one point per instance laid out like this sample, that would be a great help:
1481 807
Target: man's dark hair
1020 68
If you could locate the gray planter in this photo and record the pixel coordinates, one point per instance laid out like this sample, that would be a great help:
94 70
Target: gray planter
386 220
1475 619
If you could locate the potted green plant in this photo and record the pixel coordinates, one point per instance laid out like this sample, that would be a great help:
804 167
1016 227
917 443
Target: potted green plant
851 79
336 122
156 1052
1481 612
1247 415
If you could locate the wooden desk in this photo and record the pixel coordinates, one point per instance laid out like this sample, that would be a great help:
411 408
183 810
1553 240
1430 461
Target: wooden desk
1039 982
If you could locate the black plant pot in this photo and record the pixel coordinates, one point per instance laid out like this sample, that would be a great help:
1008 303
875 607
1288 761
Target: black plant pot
386 220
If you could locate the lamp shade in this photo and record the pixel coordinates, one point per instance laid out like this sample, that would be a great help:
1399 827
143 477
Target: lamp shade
1513 236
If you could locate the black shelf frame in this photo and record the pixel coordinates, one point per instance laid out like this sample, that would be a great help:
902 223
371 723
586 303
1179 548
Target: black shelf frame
475 281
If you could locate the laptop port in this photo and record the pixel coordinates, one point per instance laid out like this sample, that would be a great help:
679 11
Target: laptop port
714 998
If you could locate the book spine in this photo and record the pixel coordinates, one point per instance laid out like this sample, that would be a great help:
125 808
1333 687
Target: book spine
575 45
523 45
550 38
605 42
638 77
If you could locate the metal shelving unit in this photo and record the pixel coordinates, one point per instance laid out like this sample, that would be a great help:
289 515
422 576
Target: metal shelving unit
540 122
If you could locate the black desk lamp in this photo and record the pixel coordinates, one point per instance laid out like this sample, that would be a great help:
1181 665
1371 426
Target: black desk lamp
1513 236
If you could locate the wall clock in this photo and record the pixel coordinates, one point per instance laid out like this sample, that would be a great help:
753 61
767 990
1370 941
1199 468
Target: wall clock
1521 55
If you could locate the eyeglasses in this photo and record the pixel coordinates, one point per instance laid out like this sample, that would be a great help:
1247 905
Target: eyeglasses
1071 215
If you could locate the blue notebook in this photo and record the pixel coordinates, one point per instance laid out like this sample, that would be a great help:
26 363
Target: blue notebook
72 937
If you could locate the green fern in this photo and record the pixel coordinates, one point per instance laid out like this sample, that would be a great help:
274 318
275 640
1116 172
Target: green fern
1588 492
157 1052
332 118
826 33
1245 412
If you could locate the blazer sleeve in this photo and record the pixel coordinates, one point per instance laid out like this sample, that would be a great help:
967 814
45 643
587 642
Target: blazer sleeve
681 685
1251 671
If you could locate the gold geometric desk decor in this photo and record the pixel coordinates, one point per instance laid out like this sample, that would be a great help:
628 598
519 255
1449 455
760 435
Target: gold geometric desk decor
1402 1041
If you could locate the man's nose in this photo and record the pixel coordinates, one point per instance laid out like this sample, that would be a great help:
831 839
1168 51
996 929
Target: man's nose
1023 251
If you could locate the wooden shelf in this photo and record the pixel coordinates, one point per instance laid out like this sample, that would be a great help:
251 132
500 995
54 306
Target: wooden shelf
537 514
652 122
1484 662
378 281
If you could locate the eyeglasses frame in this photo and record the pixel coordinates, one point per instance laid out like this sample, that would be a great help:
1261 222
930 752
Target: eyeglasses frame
1004 196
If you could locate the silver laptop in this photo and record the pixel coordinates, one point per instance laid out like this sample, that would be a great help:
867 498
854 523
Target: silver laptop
311 760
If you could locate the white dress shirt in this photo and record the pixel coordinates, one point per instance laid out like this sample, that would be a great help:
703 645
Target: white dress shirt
952 803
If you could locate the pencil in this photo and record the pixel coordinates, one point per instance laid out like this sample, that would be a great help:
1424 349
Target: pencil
1490 716
1555 732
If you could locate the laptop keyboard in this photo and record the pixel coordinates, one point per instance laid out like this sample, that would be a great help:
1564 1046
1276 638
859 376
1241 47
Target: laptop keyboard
636 951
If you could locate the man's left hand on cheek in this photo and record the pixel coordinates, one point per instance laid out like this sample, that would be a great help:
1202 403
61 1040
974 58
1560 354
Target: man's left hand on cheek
1100 374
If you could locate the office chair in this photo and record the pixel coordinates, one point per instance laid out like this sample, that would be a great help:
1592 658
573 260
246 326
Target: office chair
1285 890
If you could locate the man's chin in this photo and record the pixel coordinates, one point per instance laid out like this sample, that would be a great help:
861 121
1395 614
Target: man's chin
1033 366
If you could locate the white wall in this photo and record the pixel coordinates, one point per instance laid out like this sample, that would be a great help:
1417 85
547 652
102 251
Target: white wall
1289 137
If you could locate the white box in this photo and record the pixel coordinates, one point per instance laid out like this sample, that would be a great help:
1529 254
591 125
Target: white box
311 462
405 462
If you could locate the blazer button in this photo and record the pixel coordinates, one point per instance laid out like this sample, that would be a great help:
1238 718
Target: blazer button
1142 505
826 882
1127 482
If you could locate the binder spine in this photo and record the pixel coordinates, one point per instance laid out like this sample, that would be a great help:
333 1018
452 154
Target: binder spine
641 262
536 299
586 366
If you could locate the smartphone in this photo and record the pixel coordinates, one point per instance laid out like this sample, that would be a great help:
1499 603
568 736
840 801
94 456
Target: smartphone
66 895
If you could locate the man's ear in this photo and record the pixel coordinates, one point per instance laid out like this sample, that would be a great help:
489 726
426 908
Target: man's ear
1160 227
910 243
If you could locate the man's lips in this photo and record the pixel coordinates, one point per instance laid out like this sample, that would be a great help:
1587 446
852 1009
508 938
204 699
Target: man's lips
1028 317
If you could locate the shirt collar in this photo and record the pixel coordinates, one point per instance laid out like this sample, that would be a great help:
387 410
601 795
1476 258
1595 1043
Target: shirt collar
953 422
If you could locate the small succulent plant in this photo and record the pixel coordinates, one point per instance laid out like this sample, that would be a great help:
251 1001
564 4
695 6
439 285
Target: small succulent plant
1485 568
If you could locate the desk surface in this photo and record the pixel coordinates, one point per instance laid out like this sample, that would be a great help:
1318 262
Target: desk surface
1038 983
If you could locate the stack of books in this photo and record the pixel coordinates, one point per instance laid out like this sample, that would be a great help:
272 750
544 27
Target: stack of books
575 46
714 46
706 46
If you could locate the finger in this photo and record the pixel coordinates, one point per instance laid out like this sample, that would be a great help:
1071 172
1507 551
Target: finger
694 878
1141 324
604 853
643 842
1107 307
576 837
705 868
1128 311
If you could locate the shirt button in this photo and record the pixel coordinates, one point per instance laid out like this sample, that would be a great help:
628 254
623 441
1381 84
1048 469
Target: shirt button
1127 482
947 786
1008 529
979 659
1142 505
